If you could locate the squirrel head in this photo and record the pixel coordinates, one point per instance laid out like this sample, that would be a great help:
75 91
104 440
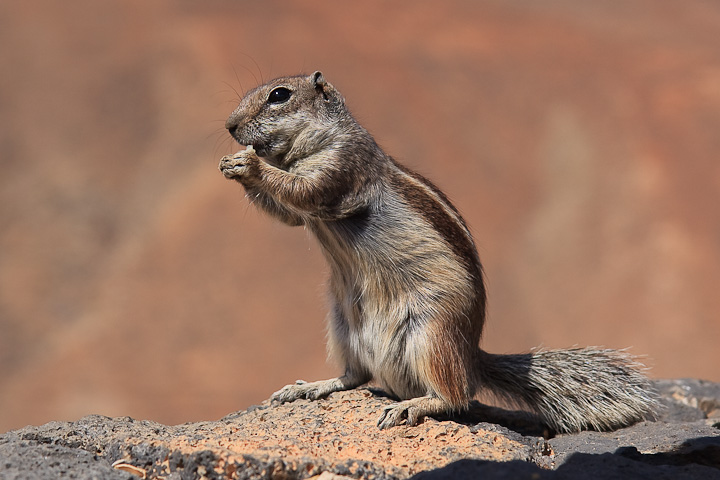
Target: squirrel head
274 116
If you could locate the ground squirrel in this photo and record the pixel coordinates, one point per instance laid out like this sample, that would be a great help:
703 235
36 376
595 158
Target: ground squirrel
406 285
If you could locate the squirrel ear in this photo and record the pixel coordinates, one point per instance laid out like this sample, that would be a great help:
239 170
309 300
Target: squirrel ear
320 84
318 79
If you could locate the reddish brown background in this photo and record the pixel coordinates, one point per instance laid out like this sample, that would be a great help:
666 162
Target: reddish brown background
580 139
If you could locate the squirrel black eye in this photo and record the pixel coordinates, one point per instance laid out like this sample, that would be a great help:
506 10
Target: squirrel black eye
279 95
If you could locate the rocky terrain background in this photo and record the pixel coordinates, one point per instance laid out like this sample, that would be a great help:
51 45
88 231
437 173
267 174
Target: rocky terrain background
579 139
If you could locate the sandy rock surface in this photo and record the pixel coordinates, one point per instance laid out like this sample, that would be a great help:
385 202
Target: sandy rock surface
338 436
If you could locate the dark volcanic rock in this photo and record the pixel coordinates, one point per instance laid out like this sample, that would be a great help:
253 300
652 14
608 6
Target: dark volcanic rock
338 437
30 460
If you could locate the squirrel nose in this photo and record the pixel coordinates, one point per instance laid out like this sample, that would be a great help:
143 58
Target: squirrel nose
231 125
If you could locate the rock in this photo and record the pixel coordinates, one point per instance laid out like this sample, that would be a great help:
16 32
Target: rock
337 438
31 459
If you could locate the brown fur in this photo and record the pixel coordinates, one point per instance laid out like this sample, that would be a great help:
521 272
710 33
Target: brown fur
406 284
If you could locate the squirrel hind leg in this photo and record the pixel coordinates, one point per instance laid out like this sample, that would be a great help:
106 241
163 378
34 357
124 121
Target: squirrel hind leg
410 411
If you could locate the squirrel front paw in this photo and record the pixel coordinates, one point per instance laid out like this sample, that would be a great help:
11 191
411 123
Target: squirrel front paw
239 165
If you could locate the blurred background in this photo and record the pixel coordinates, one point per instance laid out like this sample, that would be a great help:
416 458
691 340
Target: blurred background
579 139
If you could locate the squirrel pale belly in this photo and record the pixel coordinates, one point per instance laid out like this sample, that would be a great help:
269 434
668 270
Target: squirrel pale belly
406 284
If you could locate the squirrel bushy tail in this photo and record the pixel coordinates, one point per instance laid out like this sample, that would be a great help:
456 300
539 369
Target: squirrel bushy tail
574 389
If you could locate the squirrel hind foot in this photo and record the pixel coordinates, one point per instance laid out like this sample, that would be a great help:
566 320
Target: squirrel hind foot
410 411
315 390
301 389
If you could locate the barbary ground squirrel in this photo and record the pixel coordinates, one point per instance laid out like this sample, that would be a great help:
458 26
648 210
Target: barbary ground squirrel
406 284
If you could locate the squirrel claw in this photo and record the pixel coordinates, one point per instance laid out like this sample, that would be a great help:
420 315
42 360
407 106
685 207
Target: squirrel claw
397 414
